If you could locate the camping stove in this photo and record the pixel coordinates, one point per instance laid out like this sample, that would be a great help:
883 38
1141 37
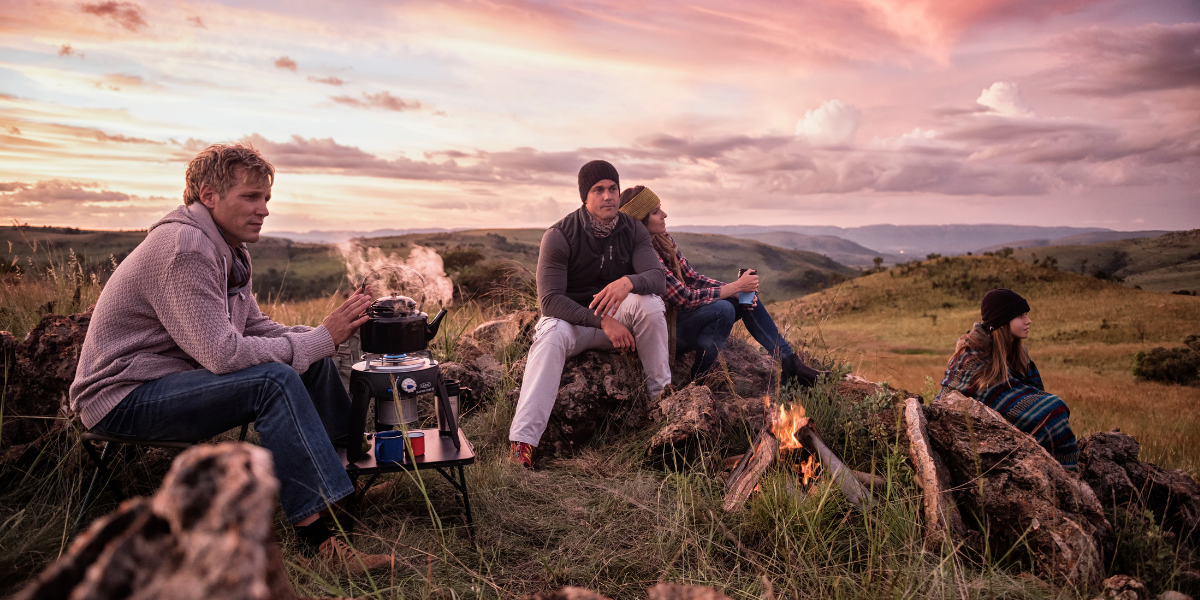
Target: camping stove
396 371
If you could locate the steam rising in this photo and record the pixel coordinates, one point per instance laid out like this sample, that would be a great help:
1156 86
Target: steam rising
393 275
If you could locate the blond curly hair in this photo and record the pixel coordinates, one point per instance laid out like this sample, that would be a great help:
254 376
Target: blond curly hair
222 166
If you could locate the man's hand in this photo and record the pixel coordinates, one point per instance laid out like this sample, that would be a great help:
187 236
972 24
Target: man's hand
617 333
610 298
347 318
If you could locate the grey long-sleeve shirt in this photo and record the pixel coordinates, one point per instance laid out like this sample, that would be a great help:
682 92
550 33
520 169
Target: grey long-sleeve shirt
553 261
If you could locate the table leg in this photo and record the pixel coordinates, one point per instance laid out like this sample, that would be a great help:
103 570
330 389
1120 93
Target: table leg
467 502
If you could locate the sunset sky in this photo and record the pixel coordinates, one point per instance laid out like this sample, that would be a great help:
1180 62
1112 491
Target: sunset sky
480 113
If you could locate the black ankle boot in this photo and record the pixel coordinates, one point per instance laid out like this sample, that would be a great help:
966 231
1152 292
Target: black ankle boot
795 372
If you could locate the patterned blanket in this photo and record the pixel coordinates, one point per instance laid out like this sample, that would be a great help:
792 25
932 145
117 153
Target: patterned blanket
1022 400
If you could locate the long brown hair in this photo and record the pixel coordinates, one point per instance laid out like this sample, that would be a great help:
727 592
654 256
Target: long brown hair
1002 352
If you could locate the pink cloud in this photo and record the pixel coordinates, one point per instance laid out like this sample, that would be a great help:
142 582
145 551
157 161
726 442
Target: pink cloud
382 101
284 62
1116 62
125 14
331 80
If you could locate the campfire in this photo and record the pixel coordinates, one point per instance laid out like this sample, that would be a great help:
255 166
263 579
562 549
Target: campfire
789 436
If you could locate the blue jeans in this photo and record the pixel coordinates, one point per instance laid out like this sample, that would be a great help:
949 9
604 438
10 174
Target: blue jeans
706 329
295 416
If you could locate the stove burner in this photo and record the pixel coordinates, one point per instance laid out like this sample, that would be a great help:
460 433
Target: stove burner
398 363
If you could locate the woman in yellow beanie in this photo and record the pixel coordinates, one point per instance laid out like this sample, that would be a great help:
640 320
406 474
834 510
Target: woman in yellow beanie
701 311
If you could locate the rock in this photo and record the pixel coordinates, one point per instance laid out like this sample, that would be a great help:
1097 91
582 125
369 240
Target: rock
686 413
1108 461
1122 587
596 388
40 371
207 533
675 591
1025 500
747 372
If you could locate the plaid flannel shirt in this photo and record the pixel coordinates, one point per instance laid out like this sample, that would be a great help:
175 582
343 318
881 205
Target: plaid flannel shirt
694 291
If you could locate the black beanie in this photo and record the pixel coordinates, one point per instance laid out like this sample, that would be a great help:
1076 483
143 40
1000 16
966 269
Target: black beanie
597 170
1001 306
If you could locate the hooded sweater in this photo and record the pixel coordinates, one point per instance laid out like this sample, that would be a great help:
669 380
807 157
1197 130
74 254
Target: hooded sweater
165 310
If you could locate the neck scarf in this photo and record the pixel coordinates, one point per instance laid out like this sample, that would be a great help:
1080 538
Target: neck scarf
239 271
600 228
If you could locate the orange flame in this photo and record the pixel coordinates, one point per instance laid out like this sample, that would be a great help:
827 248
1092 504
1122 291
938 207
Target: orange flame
809 469
786 424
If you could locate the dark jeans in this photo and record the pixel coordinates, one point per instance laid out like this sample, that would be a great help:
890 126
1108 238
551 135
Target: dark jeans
706 329
295 416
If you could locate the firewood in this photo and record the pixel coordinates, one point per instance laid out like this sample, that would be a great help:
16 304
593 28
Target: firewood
869 480
831 464
754 463
941 513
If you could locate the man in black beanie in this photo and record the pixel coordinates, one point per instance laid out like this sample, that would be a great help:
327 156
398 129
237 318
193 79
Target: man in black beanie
599 286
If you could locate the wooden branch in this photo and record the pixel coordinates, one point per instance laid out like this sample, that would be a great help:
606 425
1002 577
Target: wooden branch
831 464
754 463
869 480
941 513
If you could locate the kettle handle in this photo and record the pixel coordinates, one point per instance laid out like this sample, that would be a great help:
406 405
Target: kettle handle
431 330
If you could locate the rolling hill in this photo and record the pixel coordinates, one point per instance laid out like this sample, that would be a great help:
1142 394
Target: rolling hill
839 249
1166 263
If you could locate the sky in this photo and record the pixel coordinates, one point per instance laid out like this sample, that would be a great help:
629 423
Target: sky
479 113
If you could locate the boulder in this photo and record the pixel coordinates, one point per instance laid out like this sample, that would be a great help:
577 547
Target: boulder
207 533
1018 494
597 389
1108 461
40 370
685 413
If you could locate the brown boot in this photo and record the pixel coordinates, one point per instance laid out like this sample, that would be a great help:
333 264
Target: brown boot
338 557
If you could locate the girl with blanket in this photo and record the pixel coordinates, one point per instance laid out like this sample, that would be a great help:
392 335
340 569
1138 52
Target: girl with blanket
701 311
991 365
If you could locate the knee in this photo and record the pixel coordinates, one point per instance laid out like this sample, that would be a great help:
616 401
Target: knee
283 376
726 312
648 304
553 334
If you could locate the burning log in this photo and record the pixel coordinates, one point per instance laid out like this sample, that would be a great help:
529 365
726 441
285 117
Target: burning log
745 475
932 476
786 431
843 475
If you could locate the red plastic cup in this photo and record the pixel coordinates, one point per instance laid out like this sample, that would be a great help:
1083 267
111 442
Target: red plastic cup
417 439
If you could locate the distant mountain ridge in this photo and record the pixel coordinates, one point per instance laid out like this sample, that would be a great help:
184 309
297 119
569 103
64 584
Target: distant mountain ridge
911 240
1095 237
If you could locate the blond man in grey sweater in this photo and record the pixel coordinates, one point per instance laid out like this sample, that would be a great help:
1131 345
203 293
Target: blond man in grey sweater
178 349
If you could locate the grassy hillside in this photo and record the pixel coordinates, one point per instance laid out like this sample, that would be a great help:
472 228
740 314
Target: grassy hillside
1165 263
1095 237
841 250
901 326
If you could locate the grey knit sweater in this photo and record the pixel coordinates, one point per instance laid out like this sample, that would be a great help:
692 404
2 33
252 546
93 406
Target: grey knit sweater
165 310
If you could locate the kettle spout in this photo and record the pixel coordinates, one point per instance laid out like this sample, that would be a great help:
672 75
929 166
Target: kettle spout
431 330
